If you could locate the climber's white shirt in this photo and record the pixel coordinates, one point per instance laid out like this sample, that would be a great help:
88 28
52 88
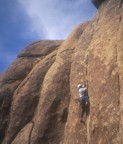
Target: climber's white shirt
81 91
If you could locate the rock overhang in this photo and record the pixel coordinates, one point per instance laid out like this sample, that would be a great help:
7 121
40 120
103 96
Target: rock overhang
97 3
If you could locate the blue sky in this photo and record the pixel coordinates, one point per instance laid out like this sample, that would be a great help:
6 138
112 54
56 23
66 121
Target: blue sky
25 21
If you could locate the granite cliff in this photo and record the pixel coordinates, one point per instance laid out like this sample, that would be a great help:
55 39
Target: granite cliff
38 91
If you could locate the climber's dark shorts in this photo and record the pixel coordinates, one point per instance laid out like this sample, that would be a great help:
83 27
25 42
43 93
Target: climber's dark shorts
84 108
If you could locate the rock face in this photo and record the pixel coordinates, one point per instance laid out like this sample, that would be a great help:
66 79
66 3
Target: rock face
38 91
13 77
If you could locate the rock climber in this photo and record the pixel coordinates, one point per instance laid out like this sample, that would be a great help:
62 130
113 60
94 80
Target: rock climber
83 99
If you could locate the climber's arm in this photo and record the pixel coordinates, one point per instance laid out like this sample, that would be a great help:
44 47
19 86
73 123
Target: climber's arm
86 82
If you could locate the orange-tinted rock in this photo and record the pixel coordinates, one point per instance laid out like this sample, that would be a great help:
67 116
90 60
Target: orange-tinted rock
17 72
97 59
39 100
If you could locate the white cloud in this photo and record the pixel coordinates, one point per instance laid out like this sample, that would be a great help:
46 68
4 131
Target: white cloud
55 17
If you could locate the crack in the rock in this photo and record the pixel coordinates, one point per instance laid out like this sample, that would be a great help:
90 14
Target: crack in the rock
31 132
88 120
117 55
66 50
30 55
120 18
9 80
119 79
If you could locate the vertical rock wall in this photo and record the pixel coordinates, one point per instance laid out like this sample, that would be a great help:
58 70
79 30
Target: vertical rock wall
98 59
104 76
